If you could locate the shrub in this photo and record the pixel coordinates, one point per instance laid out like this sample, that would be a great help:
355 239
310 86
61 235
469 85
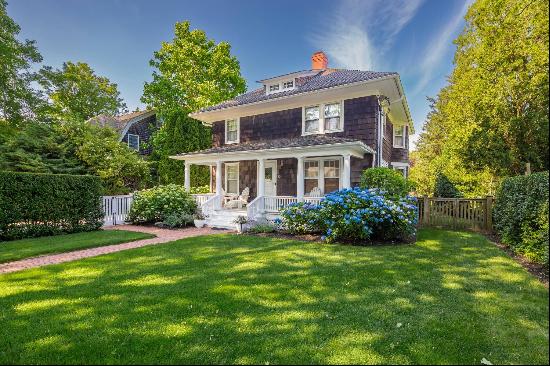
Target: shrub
48 204
386 179
521 215
199 190
157 203
177 220
262 228
357 215
445 188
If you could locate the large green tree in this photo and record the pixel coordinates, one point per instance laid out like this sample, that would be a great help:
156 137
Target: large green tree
190 73
18 100
492 118
76 93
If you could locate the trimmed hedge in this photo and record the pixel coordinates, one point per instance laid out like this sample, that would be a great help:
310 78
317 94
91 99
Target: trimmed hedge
48 204
521 215
388 180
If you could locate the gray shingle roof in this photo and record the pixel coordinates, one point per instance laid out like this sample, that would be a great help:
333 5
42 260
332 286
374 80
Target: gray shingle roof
322 80
303 141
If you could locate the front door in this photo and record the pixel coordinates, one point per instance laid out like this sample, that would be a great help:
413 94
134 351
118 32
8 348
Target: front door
270 181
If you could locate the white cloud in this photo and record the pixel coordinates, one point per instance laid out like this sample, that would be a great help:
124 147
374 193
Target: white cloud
360 32
438 47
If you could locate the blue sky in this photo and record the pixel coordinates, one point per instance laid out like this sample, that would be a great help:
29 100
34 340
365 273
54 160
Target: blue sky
118 37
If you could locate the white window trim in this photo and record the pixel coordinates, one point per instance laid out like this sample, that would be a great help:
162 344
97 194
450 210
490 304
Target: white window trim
128 141
238 177
238 120
397 165
321 176
322 118
403 127
281 86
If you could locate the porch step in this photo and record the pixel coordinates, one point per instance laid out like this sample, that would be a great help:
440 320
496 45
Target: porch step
223 219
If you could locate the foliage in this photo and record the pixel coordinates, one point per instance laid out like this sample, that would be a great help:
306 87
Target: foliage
262 228
158 203
33 247
78 94
47 204
199 189
177 219
445 188
386 179
18 100
229 298
521 215
492 118
190 73
355 214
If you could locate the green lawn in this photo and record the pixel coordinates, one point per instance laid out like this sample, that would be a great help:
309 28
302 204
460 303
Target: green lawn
450 298
25 248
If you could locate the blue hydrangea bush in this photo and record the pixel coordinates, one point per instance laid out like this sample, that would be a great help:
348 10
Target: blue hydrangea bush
356 215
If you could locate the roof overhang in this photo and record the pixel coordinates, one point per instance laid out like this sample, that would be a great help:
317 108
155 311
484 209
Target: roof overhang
357 149
389 86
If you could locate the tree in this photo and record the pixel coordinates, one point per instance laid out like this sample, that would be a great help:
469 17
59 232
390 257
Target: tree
191 72
492 117
445 188
18 100
76 93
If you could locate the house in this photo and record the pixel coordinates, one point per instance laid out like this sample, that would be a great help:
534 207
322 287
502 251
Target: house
299 136
135 129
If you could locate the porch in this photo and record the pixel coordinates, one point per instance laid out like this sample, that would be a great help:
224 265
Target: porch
277 173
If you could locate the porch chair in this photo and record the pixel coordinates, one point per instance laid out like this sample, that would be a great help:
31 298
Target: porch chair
315 192
238 201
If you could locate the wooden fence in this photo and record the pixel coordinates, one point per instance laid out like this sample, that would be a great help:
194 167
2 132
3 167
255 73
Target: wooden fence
456 213
116 209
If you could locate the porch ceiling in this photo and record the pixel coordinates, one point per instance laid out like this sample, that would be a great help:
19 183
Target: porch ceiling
305 146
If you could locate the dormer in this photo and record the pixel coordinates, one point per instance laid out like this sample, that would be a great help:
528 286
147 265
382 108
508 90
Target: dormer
283 83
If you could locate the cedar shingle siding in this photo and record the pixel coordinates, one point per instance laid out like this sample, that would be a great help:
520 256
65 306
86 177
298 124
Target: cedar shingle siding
144 129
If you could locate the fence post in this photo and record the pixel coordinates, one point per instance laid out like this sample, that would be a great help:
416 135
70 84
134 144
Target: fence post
426 211
455 212
489 214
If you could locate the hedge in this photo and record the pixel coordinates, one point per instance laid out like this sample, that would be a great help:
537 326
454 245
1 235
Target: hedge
48 204
521 215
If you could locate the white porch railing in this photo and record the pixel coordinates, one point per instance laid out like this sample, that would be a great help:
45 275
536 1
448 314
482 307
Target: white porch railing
213 203
273 204
116 209
202 198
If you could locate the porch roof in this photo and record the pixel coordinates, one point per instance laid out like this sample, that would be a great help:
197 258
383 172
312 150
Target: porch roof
304 146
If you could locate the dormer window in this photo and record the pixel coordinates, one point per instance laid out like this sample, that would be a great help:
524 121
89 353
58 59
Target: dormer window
288 84
280 86
232 131
274 88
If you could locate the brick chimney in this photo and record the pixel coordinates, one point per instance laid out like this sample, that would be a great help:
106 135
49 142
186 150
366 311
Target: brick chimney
319 61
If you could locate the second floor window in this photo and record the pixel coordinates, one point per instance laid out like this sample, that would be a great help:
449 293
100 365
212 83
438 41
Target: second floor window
231 131
133 141
399 136
311 119
332 117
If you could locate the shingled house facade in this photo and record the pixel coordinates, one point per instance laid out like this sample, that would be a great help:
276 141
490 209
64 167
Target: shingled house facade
302 135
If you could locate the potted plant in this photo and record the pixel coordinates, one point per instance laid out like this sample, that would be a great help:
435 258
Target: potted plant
240 221
200 219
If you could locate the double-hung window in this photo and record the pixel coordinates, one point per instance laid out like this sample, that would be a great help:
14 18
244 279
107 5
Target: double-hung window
399 136
232 178
232 131
133 141
311 175
323 118
331 175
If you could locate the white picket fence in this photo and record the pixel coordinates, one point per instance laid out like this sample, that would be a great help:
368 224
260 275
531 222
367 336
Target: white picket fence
116 209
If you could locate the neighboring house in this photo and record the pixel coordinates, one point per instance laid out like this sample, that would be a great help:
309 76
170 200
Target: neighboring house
302 135
135 129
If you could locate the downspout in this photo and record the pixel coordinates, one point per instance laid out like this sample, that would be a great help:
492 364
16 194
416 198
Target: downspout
379 140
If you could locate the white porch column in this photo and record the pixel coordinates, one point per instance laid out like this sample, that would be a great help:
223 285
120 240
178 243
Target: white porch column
261 177
346 174
300 179
218 177
187 181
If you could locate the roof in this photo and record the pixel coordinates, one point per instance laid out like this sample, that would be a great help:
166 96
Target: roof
322 80
119 123
303 141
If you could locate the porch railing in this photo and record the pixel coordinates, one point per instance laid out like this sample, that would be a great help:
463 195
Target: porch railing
273 204
211 204
202 198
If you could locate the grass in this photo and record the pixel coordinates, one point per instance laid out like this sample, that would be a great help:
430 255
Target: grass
26 248
450 298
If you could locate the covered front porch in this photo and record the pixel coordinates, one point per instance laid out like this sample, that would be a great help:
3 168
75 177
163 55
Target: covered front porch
260 179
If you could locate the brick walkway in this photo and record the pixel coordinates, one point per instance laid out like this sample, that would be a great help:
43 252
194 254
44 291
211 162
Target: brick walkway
162 236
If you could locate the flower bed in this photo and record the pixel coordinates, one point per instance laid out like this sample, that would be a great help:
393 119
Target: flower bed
354 214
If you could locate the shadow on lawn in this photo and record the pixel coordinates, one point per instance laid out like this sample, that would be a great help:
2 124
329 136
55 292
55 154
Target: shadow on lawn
452 298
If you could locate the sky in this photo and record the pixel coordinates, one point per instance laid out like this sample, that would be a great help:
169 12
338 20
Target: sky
117 38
